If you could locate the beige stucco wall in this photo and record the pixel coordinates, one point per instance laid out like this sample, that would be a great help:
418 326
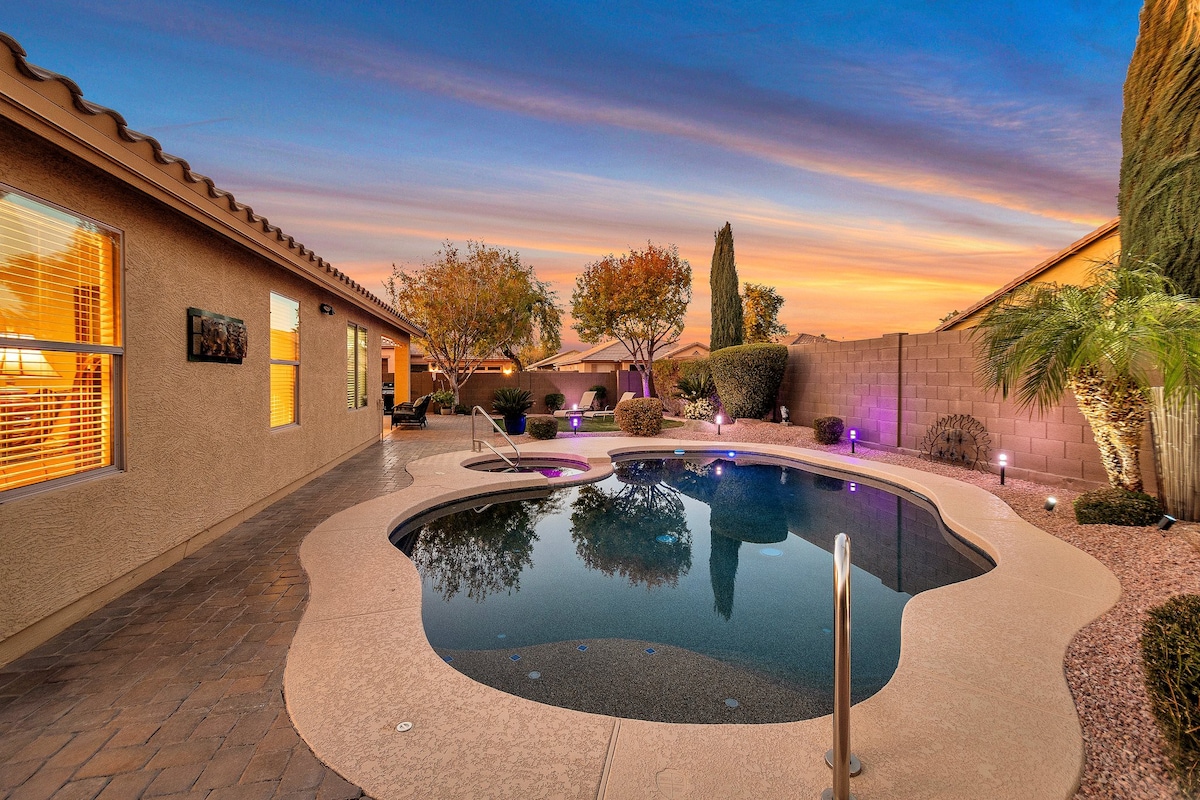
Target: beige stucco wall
198 447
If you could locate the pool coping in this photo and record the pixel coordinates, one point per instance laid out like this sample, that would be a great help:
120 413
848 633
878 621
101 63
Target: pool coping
978 706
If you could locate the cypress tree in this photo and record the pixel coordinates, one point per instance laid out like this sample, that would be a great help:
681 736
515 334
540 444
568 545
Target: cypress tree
1159 199
726 303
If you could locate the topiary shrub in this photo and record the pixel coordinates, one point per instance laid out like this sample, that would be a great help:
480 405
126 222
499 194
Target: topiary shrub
700 409
542 426
555 401
1171 651
641 416
828 430
1112 506
748 378
601 395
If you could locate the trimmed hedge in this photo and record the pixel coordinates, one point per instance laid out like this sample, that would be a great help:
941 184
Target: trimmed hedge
555 401
1171 651
641 416
541 426
828 430
748 378
1111 506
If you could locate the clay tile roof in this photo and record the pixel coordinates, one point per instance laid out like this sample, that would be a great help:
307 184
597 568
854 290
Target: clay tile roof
180 170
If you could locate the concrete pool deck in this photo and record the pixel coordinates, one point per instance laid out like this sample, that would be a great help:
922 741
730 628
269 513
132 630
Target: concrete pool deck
978 706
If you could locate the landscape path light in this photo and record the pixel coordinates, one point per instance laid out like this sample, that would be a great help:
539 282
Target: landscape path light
719 421
853 438
1051 502
1003 459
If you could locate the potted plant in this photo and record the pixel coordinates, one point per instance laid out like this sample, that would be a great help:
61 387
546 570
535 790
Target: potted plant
445 399
512 403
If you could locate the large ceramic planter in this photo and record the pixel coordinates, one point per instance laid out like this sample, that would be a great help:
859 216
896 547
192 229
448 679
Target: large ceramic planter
1176 428
514 426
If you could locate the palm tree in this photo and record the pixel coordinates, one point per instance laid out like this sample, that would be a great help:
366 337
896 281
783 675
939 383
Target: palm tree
1106 343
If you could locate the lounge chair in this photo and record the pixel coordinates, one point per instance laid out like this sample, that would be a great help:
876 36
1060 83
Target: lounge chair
411 413
609 412
585 403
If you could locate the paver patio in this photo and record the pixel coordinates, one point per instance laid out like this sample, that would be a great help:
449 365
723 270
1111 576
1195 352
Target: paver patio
175 688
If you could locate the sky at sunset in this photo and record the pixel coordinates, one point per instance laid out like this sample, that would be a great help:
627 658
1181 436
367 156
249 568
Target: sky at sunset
881 163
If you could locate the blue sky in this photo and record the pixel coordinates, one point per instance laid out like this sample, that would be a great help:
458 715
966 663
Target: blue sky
881 164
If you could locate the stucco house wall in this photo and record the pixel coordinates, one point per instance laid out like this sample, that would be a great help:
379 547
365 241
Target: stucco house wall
199 453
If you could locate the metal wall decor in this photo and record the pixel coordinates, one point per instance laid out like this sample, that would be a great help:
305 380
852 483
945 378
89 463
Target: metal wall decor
215 337
958 439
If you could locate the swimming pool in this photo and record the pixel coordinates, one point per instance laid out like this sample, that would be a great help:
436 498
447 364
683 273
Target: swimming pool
680 590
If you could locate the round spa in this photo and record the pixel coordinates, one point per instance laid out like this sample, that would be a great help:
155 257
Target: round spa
693 589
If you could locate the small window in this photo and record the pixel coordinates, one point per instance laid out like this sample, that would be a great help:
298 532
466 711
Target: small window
285 360
356 366
60 343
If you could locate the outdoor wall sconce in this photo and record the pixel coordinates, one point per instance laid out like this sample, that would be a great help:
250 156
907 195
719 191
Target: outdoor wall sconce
853 438
327 309
719 420
1166 522
1003 459
1051 502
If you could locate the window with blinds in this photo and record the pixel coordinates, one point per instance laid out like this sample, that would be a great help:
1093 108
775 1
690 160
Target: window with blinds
285 360
356 366
60 343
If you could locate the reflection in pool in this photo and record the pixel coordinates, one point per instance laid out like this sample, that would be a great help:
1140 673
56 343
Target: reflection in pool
602 590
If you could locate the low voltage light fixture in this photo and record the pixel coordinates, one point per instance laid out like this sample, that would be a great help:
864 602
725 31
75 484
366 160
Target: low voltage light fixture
679 452
732 454
1051 502
853 438
1003 459
853 486
575 425
719 420
326 309
1166 522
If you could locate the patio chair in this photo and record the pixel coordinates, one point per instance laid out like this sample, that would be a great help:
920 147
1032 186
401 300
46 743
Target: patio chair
411 413
585 403
609 412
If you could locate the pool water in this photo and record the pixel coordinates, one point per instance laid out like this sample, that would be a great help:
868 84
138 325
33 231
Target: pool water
683 590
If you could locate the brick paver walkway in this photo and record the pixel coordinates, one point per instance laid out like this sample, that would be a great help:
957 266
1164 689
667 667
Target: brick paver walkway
174 689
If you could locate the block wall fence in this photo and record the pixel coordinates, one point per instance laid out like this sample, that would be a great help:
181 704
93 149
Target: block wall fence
893 388
480 388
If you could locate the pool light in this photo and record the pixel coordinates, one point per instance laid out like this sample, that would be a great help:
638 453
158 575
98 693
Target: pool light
732 454
1003 459
680 452
1166 522
719 420
853 438
1051 502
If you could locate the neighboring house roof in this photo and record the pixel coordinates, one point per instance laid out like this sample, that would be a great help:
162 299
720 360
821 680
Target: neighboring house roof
612 351
553 360
680 348
1075 248
106 140
808 338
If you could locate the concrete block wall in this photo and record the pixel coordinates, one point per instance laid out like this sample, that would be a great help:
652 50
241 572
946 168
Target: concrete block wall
482 386
893 388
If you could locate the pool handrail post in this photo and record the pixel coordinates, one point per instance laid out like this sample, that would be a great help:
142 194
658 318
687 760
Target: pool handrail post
475 443
840 757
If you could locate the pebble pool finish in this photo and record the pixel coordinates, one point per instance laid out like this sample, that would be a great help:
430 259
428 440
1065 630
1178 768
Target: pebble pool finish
666 558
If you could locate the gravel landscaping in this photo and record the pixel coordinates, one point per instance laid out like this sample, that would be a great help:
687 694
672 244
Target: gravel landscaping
1124 750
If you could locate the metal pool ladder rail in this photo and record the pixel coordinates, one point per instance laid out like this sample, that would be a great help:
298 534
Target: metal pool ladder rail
844 762
477 442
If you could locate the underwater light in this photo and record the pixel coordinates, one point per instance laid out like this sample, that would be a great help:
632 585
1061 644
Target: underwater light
680 452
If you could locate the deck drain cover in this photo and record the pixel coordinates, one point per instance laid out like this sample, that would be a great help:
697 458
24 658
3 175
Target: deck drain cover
404 727
650 651
535 675
514 657
731 702
582 648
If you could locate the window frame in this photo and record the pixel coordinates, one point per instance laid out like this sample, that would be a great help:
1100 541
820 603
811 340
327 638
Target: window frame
117 441
295 421
361 360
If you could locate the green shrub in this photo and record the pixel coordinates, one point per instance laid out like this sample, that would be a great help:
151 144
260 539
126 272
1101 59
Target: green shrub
641 416
828 430
601 394
1111 506
1171 651
748 378
512 402
541 426
555 401
700 409
443 397
696 387
696 368
462 408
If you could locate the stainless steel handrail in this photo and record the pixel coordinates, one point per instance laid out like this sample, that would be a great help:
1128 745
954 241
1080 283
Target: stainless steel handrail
840 758
475 443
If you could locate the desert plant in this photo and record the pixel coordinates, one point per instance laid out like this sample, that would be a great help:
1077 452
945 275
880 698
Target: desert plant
748 378
510 401
828 430
696 387
542 426
1113 506
555 401
601 393
1105 343
1171 652
703 409
641 416
444 398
